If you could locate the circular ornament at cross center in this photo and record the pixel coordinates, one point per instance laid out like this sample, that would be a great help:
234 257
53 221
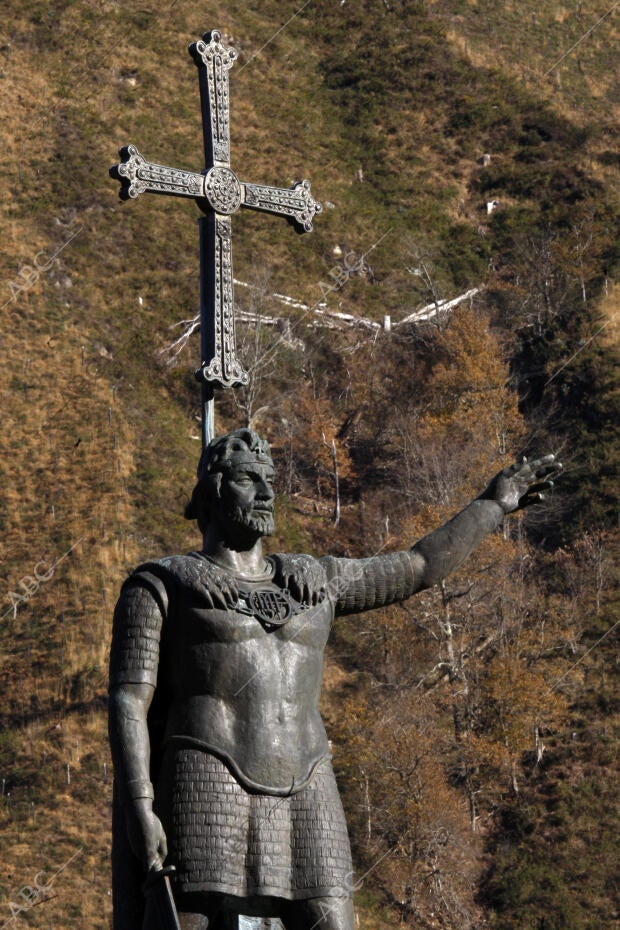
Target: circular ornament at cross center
223 190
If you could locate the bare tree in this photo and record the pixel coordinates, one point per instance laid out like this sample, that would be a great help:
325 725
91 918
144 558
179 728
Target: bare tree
260 347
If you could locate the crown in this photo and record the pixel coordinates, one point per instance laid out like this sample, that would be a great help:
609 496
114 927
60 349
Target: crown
241 447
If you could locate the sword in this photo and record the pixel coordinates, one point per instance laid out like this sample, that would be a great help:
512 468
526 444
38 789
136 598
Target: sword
160 912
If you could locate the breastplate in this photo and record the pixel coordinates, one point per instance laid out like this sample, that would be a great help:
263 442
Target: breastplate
244 683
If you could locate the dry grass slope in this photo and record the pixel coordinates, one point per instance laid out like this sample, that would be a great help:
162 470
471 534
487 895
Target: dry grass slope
99 438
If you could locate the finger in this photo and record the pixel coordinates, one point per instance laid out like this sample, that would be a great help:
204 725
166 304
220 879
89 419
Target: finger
522 467
538 468
544 474
154 864
163 848
544 464
528 499
540 486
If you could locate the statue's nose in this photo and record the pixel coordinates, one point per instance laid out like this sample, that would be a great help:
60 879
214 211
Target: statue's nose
265 491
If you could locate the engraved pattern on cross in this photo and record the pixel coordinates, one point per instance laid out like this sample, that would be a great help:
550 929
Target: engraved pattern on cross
219 193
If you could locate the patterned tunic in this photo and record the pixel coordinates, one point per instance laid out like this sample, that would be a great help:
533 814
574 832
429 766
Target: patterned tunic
223 838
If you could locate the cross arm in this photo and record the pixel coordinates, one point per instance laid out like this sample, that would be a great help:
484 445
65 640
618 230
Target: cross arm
219 187
137 175
296 203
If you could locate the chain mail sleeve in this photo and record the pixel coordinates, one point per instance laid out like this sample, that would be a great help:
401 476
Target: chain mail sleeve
136 630
134 661
355 585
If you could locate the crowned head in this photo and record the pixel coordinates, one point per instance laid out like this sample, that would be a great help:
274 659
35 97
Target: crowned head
235 474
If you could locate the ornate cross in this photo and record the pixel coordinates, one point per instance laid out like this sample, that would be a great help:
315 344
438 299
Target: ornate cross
219 193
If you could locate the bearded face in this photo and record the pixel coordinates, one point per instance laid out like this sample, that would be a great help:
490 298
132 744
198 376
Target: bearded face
259 521
246 497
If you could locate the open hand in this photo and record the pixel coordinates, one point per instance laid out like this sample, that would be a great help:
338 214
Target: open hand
523 483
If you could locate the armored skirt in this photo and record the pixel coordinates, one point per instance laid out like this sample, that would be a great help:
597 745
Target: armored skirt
225 839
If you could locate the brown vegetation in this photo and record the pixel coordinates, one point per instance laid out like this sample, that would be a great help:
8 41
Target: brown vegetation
476 728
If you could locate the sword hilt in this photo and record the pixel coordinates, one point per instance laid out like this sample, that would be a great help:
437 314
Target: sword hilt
160 912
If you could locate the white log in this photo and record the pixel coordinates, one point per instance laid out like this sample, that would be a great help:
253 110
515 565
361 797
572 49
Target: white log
431 310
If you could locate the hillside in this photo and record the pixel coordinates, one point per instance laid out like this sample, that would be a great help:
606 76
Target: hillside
475 729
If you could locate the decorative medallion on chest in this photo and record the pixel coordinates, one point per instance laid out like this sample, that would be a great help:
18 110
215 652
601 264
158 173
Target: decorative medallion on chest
272 607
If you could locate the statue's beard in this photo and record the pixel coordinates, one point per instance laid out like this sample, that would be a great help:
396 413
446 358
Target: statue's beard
262 523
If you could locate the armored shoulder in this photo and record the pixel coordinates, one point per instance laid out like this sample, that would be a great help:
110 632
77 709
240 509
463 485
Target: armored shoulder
191 574
302 575
136 631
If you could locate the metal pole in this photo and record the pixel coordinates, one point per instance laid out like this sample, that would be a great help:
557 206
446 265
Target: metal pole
206 226
208 414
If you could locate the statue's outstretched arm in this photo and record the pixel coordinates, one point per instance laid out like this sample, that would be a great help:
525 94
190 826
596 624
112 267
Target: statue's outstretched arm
362 584
133 675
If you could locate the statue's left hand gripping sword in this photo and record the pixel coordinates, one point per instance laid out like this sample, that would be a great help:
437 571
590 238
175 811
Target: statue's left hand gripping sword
219 193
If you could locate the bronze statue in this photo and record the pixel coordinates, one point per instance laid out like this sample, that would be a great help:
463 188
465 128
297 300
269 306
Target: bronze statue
222 764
